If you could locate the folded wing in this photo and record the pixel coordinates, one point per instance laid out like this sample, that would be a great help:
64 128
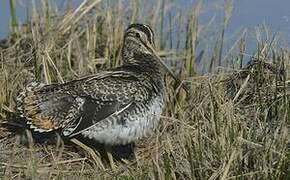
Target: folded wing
77 105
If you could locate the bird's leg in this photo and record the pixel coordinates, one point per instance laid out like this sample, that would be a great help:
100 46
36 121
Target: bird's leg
91 152
125 152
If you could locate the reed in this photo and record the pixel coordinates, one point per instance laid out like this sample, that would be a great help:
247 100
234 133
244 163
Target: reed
234 124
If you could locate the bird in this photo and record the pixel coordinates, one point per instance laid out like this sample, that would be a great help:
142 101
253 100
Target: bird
117 106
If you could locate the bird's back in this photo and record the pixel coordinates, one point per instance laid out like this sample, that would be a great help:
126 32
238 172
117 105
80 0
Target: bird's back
91 105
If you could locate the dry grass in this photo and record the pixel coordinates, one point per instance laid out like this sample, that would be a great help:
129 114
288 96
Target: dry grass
233 125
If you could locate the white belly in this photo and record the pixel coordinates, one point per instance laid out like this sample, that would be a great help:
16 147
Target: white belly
136 126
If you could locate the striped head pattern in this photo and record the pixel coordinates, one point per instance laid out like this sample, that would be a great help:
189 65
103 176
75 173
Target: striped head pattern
139 42
139 38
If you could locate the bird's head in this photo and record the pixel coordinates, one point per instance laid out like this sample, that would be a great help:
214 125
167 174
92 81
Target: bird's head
138 38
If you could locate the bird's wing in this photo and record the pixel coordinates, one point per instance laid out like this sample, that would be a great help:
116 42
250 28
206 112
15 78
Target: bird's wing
46 107
77 105
93 112
106 97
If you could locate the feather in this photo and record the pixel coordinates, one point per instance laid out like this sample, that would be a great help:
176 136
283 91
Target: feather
77 105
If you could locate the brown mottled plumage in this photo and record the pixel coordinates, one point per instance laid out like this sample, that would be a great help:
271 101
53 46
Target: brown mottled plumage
117 106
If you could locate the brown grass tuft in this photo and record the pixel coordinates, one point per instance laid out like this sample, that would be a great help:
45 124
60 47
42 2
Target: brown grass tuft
233 125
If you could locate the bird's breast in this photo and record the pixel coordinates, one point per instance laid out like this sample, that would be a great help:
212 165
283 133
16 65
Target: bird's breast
129 126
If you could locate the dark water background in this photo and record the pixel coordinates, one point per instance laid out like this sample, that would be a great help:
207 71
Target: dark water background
246 14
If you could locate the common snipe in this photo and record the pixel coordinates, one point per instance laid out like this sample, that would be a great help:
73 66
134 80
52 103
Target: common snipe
118 106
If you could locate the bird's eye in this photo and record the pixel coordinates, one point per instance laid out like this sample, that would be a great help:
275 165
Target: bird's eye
138 35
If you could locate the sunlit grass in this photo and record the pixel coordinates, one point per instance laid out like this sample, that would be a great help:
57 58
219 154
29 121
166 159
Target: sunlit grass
233 124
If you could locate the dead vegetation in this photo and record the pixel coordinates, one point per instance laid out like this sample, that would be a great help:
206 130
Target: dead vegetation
233 125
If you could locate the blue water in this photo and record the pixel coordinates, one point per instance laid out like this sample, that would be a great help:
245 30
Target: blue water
246 14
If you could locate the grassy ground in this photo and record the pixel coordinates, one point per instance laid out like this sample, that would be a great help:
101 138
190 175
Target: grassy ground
233 125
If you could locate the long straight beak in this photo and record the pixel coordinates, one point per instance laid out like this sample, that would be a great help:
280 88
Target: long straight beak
167 69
